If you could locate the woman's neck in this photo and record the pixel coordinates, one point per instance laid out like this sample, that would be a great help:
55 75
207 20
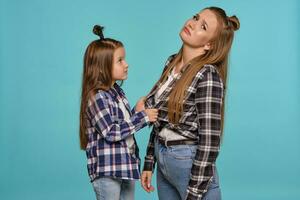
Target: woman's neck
188 53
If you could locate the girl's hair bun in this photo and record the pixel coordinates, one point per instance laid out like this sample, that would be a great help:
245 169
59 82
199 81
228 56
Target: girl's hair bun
98 30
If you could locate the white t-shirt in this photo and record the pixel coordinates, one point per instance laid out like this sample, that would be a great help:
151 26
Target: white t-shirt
166 133
129 140
165 85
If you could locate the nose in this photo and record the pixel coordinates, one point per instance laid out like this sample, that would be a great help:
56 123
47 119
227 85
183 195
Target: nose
191 24
126 64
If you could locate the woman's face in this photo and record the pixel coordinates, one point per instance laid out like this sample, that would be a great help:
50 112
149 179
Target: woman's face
198 31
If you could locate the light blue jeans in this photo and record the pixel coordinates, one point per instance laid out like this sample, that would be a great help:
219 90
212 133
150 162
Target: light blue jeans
107 188
174 165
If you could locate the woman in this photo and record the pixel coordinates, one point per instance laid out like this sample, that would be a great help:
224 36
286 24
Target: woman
185 140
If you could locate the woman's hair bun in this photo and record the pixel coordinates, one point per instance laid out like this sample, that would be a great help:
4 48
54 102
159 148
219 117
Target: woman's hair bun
234 22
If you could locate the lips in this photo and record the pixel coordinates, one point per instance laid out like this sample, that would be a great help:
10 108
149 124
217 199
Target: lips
186 30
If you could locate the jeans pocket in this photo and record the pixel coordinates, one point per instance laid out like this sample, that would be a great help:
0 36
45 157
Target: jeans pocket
181 152
96 186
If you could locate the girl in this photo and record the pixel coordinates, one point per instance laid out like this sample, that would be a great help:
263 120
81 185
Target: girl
185 140
107 124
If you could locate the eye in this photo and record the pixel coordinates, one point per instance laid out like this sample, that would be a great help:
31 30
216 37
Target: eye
120 60
203 27
196 17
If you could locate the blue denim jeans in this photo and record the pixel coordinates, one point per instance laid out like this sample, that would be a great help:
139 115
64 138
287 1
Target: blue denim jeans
107 188
174 165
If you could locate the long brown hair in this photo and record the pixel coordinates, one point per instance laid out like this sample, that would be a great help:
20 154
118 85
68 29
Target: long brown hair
97 74
217 56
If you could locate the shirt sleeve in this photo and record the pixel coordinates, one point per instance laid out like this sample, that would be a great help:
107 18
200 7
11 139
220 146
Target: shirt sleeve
150 156
133 110
208 100
111 128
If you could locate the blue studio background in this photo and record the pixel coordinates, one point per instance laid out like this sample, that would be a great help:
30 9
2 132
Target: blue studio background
41 49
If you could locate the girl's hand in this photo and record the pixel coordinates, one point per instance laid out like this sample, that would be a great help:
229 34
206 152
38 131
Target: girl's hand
146 181
152 114
140 104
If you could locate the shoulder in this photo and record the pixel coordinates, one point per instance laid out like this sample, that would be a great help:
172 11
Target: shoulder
209 73
170 58
208 70
100 98
102 94
168 61
119 89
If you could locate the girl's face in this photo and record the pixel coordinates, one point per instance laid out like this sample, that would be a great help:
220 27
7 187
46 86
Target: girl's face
199 30
120 66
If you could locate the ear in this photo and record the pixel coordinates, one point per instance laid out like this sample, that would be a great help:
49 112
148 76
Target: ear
207 46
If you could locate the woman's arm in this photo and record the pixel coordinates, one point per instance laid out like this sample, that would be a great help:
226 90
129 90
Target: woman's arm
150 102
149 164
208 100
150 158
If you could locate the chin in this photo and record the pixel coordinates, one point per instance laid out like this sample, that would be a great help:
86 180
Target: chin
184 39
181 34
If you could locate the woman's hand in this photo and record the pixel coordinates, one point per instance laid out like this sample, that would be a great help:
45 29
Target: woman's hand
146 181
152 114
140 104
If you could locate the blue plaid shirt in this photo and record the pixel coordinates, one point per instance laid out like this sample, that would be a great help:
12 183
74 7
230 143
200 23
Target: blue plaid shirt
107 151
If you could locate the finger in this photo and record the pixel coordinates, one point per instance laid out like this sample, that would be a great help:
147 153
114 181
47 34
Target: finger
145 188
143 182
151 188
155 112
148 181
145 185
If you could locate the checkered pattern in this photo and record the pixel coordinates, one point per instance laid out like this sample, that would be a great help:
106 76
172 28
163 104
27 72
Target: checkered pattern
201 120
107 152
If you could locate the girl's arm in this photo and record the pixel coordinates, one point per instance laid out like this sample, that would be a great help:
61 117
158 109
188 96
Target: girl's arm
110 128
208 100
139 106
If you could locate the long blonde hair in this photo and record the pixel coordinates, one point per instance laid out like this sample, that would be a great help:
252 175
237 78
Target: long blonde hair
217 56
